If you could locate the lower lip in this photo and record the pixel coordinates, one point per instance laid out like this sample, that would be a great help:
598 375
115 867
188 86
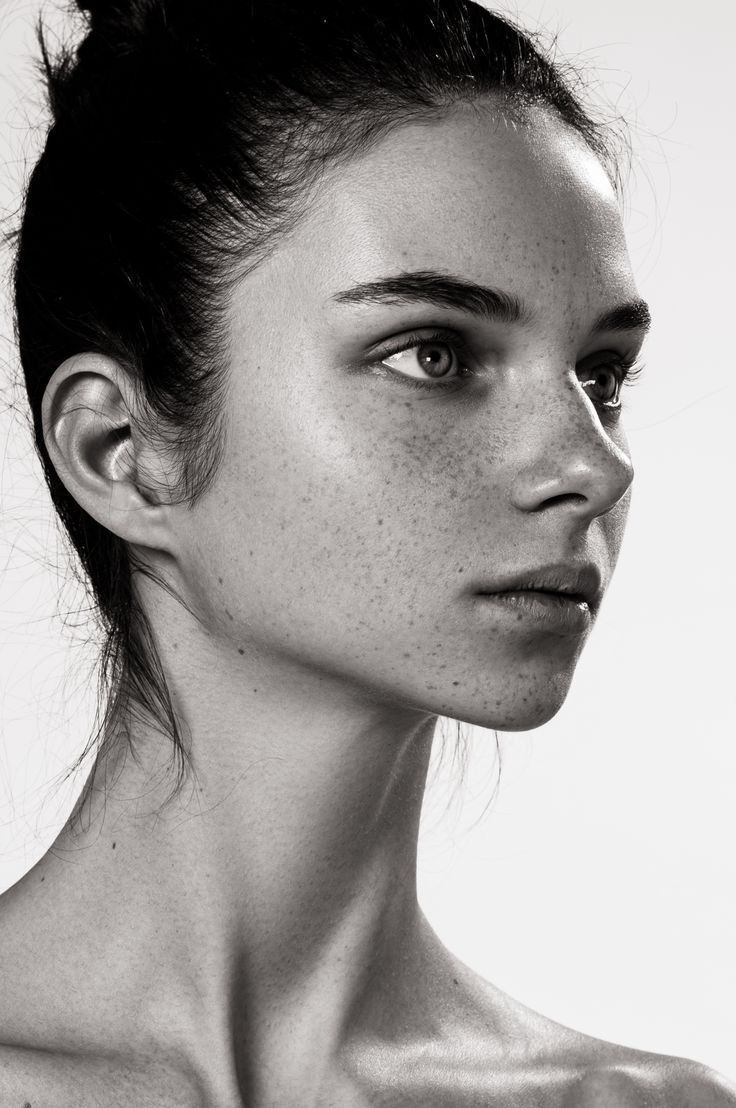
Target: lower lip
553 611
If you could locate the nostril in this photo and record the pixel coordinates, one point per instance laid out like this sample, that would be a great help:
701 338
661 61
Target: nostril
575 497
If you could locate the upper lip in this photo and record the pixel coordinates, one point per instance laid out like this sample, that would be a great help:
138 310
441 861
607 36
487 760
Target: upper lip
581 581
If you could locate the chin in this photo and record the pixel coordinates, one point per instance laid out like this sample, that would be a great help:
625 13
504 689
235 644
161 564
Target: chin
520 709
527 720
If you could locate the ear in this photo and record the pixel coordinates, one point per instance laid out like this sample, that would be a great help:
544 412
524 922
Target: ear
90 431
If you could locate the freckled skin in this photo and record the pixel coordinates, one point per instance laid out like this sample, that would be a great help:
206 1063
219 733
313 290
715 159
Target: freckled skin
376 508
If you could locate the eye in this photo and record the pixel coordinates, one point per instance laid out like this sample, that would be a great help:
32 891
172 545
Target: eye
428 362
606 378
433 357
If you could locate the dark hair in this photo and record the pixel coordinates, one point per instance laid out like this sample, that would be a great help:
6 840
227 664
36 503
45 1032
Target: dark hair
185 138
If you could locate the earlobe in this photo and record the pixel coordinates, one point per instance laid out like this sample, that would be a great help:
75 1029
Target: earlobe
89 427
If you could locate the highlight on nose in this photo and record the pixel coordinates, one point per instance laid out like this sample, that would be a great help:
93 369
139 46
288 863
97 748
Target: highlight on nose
578 477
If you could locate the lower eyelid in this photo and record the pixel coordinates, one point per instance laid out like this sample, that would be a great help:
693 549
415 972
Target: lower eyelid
427 385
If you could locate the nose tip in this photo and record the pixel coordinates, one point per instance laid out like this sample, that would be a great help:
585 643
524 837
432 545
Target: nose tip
586 474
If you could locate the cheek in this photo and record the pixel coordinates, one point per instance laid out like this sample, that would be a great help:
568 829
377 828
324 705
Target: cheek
345 504
343 536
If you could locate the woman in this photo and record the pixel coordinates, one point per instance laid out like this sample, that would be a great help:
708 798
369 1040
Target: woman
324 313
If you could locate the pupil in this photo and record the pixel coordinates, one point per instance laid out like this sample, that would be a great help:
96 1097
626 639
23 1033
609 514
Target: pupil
436 360
607 379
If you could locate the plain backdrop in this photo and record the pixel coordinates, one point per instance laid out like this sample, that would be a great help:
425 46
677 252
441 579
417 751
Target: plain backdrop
599 887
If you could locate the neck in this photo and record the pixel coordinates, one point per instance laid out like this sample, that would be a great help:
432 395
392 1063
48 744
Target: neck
264 910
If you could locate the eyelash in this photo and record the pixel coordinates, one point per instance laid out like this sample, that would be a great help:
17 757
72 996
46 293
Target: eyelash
630 369
448 339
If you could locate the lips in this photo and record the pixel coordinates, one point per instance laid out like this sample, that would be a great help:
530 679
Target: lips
574 582
531 611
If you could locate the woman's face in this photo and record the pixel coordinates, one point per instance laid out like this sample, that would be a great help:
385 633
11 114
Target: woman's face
392 456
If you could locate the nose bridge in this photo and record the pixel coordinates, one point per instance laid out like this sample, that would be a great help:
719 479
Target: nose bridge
566 453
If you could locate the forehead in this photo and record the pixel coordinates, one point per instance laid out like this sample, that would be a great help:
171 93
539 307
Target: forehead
519 203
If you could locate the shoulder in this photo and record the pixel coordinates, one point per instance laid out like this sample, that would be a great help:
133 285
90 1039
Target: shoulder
689 1084
577 1070
651 1081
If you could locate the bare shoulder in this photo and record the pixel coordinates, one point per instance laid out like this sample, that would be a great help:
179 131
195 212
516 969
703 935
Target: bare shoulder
651 1081
572 1069
689 1084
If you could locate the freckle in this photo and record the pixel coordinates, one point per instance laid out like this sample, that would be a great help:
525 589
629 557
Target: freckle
456 682
454 980
250 553
240 650
461 569
114 845
229 614
407 654
220 579
380 522
255 690
43 878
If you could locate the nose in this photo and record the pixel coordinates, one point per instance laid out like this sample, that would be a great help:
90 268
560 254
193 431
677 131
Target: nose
570 458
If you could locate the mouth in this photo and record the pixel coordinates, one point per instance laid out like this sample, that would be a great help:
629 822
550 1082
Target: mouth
577 583
563 596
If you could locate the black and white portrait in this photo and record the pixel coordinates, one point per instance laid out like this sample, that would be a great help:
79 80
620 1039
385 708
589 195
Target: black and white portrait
366 537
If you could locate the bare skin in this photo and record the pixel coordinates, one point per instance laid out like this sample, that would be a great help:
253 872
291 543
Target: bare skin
258 941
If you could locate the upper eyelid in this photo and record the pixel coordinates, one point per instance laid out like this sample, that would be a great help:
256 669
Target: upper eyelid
466 349
413 338
630 355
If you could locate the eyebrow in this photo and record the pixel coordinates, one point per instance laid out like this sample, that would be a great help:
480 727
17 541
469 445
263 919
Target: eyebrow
449 291
445 290
632 316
